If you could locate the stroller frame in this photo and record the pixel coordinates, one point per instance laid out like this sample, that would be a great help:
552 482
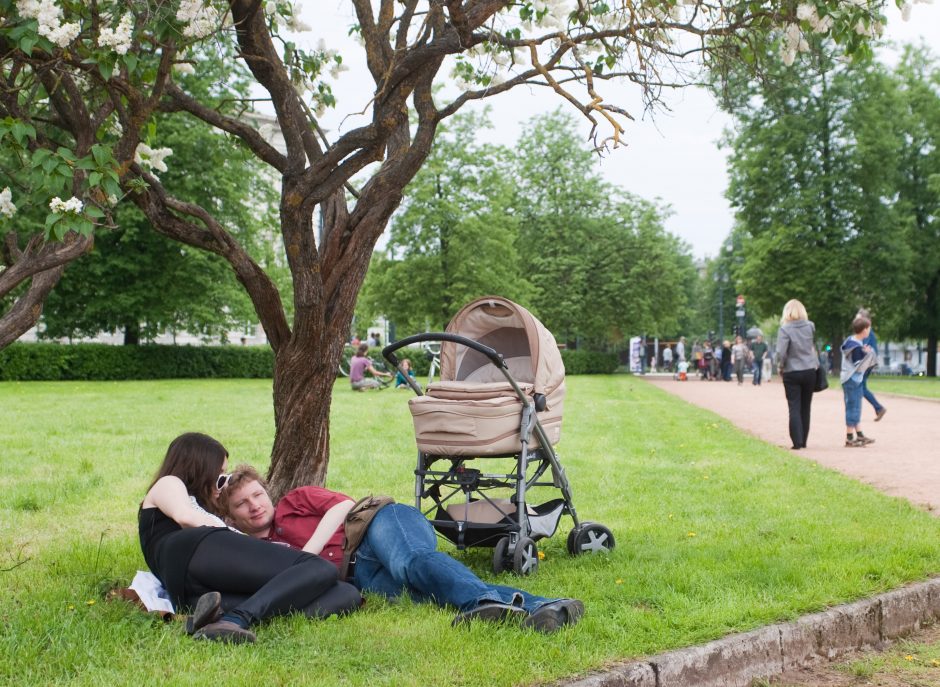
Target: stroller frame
514 537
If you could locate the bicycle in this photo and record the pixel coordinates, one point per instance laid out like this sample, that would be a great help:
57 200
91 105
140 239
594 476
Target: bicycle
432 351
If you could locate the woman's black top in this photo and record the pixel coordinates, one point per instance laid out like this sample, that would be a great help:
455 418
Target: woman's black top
168 548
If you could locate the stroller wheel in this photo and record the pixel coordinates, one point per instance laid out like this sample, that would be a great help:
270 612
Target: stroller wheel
525 559
501 559
590 537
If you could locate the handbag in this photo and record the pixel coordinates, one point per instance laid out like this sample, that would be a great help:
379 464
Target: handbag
355 526
822 379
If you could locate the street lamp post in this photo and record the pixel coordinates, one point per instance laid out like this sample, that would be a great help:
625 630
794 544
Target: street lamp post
739 313
721 277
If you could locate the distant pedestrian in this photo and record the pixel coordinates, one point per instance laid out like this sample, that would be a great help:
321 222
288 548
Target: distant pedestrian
667 359
872 342
726 360
768 366
796 360
680 349
739 356
857 358
758 355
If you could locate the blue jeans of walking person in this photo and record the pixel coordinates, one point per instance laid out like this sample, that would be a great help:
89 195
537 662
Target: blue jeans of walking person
868 395
757 368
399 553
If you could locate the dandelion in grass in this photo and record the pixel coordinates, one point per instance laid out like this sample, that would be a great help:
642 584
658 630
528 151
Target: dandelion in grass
621 582
71 607
90 602
935 662
691 534
541 555
908 657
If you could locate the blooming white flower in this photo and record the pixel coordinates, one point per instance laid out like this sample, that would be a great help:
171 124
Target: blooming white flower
7 208
184 68
199 18
59 206
150 158
49 17
119 38
906 11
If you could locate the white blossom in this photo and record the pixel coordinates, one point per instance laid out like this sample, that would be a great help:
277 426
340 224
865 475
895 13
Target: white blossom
184 68
199 18
7 208
49 17
59 206
150 158
906 11
119 38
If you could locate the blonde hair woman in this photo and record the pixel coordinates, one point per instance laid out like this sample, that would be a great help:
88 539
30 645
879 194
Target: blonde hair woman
797 362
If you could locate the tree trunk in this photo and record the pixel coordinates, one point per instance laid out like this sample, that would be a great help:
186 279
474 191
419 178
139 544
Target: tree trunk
131 334
932 355
303 388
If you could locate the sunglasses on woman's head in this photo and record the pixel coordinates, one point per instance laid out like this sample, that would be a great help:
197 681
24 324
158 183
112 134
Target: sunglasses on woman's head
221 482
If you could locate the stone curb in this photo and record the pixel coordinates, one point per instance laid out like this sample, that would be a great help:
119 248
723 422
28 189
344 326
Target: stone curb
738 660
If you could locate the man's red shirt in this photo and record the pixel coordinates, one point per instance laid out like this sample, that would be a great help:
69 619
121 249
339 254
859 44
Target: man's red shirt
299 513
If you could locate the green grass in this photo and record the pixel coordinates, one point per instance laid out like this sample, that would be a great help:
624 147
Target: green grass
716 532
925 387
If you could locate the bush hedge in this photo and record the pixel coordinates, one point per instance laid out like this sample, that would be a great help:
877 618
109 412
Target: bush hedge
53 362
49 361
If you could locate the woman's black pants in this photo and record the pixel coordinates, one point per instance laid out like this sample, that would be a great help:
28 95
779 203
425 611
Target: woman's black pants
259 580
798 386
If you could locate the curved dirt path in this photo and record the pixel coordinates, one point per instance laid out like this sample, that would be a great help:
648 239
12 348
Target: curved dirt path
904 461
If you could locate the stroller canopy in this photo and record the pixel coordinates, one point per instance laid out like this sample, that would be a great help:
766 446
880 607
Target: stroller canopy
528 348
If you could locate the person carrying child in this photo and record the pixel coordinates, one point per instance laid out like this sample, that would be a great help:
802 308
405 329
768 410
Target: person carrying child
857 359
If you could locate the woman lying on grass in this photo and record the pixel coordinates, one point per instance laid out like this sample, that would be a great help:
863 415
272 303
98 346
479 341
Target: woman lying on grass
195 555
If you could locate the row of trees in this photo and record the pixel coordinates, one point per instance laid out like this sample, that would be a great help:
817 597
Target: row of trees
83 85
835 179
536 223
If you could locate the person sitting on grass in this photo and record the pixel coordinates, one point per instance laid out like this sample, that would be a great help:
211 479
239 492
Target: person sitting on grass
857 358
398 553
359 365
400 381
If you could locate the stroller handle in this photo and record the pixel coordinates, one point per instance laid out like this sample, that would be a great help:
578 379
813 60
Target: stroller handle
389 351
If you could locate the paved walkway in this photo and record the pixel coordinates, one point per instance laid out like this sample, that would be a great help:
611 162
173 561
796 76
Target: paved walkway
904 461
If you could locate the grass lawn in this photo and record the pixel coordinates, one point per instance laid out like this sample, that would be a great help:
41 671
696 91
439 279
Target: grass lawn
925 387
716 532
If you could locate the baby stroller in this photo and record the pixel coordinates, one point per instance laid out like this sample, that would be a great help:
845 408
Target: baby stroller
500 396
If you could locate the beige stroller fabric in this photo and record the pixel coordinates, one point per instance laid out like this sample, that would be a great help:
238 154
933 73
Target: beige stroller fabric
473 409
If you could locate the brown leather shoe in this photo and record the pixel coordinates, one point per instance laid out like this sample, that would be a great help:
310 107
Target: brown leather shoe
208 610
880 413
225 631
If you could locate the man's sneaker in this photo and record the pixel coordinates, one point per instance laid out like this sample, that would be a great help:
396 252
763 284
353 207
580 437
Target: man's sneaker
490 611
553 616
208 610
866 440
854 443
225 631
880 413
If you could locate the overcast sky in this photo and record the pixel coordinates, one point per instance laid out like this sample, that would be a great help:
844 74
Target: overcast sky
671 155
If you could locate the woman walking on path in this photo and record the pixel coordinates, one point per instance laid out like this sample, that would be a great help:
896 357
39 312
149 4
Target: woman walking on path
797 362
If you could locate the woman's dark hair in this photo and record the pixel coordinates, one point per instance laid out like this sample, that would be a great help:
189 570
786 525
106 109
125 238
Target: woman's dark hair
362 350
197 460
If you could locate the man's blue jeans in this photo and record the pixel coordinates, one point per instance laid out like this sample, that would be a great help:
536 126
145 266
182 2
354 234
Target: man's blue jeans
756 369
399 553
869 396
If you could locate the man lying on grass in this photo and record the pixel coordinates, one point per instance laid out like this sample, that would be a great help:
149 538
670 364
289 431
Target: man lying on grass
398 552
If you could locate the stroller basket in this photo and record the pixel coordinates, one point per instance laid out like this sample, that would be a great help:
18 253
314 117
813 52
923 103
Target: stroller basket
543 521
500 395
